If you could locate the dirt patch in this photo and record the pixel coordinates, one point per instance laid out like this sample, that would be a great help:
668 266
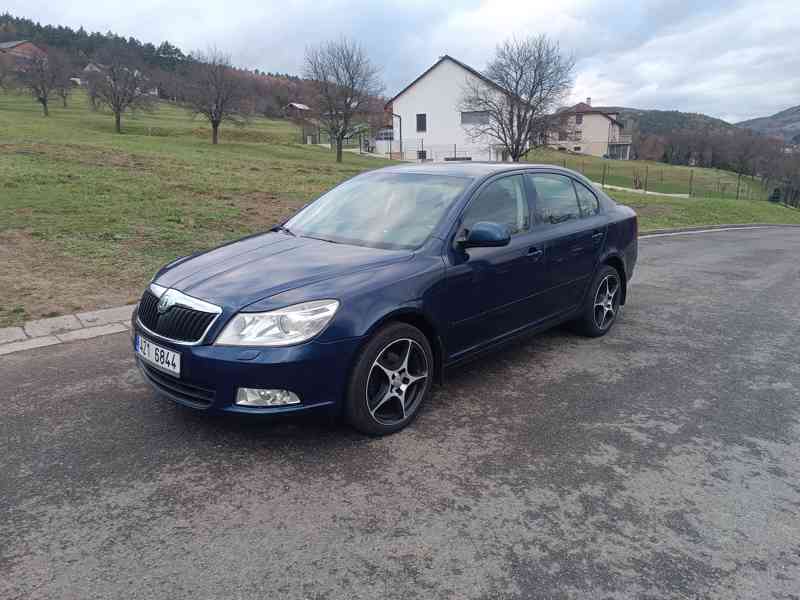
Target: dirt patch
84 155
38 280
263 209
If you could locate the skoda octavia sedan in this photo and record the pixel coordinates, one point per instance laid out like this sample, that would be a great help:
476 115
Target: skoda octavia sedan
362 300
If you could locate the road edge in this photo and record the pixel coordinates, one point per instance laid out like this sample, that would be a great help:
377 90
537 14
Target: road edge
108 321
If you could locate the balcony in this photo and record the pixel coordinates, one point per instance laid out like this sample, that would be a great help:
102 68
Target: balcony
620 139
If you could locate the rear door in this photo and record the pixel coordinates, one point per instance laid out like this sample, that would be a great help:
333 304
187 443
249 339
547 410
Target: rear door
570 217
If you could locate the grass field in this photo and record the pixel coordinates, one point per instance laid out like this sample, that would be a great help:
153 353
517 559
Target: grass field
659 177
86 216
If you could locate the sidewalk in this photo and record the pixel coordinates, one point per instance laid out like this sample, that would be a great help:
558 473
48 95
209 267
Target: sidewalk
68 328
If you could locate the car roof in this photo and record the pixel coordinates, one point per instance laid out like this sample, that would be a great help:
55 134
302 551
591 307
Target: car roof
471 169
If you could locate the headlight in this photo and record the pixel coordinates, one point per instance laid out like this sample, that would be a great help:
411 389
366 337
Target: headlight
283 327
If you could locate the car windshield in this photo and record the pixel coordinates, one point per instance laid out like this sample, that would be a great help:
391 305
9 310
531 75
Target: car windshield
382 210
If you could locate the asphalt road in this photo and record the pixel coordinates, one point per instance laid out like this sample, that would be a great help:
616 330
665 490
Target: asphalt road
662 461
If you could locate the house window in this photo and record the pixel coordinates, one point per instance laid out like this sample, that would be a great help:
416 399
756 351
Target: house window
576 148
422 122
475 117
578 119
562 135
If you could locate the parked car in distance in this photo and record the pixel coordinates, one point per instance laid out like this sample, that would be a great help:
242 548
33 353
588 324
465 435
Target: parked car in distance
362 300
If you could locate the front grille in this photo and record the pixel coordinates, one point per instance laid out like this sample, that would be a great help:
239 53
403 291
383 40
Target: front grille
178 323
194 395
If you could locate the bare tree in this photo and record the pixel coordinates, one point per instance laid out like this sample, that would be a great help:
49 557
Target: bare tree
39 76
61 66
217 91
515 100
121 85
7 72
345 81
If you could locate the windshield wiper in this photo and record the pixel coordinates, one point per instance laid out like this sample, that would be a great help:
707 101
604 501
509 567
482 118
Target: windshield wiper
284 229
320 239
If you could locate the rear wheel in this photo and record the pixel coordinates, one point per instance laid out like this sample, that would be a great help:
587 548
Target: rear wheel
391 379
602 303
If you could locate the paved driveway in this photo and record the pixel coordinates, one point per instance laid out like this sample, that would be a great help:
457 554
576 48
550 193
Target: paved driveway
662 461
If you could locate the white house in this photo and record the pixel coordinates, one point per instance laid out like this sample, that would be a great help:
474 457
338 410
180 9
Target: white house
588 130
427 111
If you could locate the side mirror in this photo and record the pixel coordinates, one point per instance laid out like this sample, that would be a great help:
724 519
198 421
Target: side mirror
486 235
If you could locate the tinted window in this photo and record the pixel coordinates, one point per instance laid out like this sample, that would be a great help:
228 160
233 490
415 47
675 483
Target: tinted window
384 210
555 199
588 202
502 201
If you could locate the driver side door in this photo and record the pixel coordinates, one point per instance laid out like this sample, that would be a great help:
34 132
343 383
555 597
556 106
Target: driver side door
487 288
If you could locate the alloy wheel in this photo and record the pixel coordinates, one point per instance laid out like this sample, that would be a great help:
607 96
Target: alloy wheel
397 381
606 302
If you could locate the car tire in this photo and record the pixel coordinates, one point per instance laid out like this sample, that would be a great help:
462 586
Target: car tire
602 303
393 375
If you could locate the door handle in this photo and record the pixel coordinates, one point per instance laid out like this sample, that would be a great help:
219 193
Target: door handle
535 253
597 235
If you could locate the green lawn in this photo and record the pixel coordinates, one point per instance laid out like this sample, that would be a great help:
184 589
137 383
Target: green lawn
86 215
659 177
663 212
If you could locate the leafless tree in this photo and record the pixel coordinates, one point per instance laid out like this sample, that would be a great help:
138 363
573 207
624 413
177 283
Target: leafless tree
344 81
61 66
217 92
517 97
39 76
121 85
6 72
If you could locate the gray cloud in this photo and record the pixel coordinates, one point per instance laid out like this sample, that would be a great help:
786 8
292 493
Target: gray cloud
730 59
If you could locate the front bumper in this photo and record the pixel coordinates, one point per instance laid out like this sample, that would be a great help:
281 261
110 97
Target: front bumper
210 375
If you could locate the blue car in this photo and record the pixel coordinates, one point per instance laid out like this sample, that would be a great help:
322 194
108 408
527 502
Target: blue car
363 299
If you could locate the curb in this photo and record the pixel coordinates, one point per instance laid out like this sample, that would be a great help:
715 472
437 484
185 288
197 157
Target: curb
711 229
67 328
108 321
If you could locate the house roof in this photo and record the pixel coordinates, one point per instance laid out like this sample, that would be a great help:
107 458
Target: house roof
581 108
443 58
10 45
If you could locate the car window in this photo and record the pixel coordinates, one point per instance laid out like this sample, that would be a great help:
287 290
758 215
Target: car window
556 201
502 201
589 204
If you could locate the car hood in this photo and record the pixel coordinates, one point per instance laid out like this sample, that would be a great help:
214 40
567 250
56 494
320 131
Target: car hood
243 272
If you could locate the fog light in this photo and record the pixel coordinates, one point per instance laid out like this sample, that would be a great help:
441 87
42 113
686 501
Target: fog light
256 397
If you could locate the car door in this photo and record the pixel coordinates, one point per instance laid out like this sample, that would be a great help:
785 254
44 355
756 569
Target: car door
487 288
570 217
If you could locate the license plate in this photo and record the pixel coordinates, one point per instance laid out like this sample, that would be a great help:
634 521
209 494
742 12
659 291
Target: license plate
161 358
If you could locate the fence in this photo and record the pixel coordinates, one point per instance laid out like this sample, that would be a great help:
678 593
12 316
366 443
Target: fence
416 149
662 178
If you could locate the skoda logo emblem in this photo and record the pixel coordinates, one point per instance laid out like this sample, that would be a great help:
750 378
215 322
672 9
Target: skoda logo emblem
167 301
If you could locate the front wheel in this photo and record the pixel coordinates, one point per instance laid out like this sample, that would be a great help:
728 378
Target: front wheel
602 303
391 379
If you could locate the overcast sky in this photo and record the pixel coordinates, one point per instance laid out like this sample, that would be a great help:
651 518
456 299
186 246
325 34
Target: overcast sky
730 59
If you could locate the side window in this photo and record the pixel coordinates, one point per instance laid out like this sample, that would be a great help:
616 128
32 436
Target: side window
502 201
556 201
588 202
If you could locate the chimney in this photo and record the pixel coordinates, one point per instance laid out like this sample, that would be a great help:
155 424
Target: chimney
589 100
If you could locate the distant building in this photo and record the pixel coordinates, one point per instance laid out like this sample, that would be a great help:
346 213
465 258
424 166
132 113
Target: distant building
21 50
587 130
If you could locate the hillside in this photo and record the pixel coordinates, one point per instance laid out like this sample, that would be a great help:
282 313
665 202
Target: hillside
784 125
662 122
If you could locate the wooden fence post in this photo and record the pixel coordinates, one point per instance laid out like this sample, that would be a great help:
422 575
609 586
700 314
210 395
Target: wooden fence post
646 175
691 180
738 185
605 166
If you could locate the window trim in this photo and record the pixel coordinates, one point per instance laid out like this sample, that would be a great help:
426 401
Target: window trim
424 122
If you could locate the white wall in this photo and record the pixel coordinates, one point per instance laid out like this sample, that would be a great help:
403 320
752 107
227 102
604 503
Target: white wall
438 95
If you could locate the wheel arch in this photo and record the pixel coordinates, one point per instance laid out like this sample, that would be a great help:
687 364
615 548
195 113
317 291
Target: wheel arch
615 261
416 318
